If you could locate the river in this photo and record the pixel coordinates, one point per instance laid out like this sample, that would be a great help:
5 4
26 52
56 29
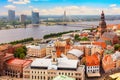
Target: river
38 32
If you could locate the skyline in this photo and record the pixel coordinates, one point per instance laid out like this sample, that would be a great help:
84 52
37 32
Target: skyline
53 7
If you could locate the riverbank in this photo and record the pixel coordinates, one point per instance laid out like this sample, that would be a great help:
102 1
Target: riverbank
57 34
19 41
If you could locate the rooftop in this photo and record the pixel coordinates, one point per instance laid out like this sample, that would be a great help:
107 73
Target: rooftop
102 44
8 55
4 47
62 63
34 46
115 56
113 25
76 52
16 61
109 35
92 60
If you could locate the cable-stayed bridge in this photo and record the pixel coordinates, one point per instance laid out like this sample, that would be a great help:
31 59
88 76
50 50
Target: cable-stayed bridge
73 21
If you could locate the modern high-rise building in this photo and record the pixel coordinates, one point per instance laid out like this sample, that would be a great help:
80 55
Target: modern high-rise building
64 16
11 15
22 18
35 17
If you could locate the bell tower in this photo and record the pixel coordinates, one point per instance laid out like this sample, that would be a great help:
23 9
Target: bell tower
102 23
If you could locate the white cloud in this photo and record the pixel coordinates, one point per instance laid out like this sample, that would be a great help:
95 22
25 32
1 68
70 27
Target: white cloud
113 5
70 10
10 6
79 10
36 10
19 1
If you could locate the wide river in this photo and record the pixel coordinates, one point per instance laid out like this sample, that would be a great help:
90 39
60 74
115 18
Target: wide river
39 32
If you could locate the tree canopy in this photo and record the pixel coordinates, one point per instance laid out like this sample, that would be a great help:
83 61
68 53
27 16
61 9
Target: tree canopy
20 52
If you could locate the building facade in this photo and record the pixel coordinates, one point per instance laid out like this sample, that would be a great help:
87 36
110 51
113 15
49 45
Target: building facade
3 58
36 52
93 66
49 49
35 17
48 69
22 18
14 67
41 74
11 15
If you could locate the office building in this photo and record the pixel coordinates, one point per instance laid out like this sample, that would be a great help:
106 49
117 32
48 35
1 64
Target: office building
11 15
22 18
35 17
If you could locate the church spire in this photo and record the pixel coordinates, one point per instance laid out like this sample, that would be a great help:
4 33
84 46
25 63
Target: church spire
102 23
102 16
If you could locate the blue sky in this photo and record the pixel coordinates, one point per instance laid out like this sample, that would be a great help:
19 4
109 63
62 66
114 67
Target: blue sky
57 7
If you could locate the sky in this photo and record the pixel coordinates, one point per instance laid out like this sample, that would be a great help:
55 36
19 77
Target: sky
57 7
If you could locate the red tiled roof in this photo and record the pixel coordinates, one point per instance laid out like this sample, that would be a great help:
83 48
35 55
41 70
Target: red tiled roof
84 34
16 61
112 25
107 59
102 44
92 60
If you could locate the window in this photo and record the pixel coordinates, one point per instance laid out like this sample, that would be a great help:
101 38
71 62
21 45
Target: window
44 77
32 77
72 74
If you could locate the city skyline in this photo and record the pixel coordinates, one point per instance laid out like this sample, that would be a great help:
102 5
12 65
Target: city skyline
53 7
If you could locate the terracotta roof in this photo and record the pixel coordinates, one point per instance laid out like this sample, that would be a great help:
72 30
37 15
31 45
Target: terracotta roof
112 25
102 44
16 61
4 47
107 59
84 34
67 46
92 60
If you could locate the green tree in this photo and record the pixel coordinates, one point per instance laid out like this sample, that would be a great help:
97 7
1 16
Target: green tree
22 56
77 37
25 49
117 47
20 52
84 39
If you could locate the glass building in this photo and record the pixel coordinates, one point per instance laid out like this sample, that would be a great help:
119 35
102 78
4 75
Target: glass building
11 15
35 17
